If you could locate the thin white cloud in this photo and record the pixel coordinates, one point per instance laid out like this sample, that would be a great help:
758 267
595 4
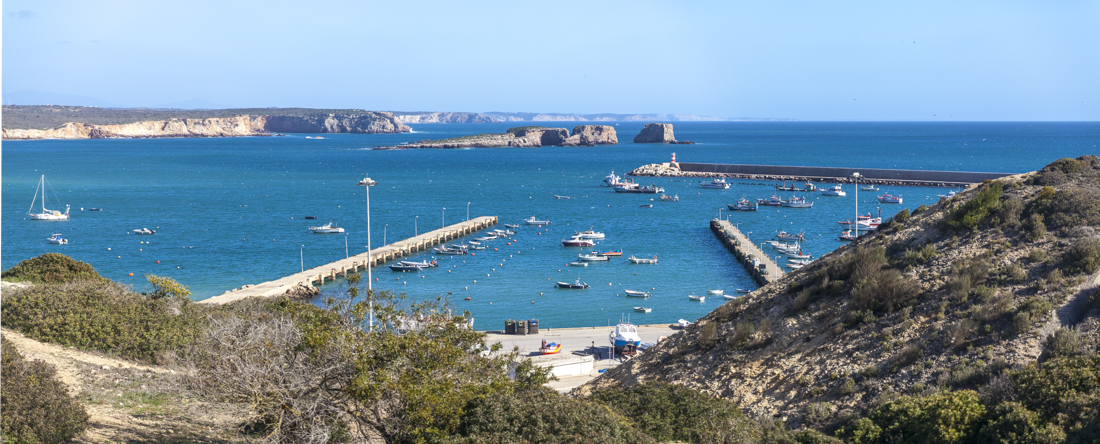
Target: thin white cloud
24 14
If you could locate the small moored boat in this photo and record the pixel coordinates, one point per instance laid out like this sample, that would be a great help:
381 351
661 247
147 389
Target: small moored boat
592 257
578 285
695 297
889 198
667 198
405 268
577 264
636 293
836 190
643 260
576 241
533 221
589 234
797 202
327 229
643 309
611 253
56 239
513 226
144 231
718 183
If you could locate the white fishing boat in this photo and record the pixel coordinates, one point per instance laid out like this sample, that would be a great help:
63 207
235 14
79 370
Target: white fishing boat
889 198
742 290
949 195
718 183
642 260
532 221
56 239
785 236
144 231
743 204
696 297
625 334
593 257
773 201
847 235
421 264
799 261
715 292
513 226
833 191
797 202
795 266
589 234
729 296
868 188
577 241
577 285
799 255
577 264
636 293
643 309
405 268
667 198
683 323
46 214
563 197
328 228
612 180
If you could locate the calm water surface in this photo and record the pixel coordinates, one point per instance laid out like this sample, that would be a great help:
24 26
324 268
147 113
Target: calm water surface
229 212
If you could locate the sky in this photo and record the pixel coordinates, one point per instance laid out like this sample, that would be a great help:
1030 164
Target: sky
846 60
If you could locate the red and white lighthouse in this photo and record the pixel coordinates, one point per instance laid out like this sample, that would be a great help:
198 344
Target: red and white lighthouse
673 157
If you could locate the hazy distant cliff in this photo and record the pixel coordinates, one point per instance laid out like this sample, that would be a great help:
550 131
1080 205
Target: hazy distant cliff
445 118
43 122
528 137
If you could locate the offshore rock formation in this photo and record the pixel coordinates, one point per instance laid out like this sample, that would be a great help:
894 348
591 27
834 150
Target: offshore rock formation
659 133
592 135
237 126
524 137
445 118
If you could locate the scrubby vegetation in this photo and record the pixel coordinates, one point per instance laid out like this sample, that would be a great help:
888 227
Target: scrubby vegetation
50 268
35 407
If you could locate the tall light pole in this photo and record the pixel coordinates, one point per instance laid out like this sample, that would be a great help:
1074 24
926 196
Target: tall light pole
444 219
856 220
346 255
416 231
384 230
366 183
467 211
302 257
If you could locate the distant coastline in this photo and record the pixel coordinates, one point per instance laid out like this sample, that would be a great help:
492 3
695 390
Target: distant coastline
498 117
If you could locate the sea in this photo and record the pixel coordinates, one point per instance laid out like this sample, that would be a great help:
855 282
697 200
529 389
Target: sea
230 212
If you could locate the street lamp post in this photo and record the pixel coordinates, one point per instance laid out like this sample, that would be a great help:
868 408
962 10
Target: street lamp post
467 211
384 230
346 255
302 257
855 227
416 231
443 220
366 183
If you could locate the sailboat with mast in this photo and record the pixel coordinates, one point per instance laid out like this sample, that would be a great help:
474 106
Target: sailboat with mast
46 214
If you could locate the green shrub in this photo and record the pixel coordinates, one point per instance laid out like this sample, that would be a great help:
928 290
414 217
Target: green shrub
1064 391
1016 273
1012 423
35 407
946 417
708 337
1037 255
1021 323
927 252
975 211
1072 207
1037 229
742 333
922 207
1083 256
1063 343
106 316
543 416
902 216
1058 172
1011 210
849 387
670 412
50 268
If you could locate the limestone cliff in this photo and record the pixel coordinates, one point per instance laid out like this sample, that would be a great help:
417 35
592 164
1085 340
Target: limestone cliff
527 137
367 122
591 135
445 118
656 133
214 127
236 126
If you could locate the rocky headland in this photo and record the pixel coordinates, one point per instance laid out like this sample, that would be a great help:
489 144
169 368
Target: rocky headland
946 298
523 137
659 133
29 123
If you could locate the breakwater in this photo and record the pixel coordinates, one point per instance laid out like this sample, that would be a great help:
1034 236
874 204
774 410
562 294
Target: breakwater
758 264
876 176
302 284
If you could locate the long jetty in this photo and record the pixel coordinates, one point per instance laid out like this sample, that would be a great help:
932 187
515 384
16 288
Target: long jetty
758 264
876 176
304 281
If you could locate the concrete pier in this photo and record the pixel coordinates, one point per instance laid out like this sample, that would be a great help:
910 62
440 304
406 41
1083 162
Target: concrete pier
330 272
758 263
876 176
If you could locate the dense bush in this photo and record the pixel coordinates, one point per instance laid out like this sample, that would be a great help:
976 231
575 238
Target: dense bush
1012 423
1070 208
35 407
948 417
1065 391
670 412
542 416
50 268
106 316
902 216
978 209
1083 256
1060 171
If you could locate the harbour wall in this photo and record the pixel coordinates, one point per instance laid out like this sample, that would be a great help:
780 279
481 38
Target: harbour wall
756 262
876 176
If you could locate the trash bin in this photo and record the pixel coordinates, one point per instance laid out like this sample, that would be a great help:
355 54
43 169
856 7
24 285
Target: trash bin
509 327
533 326
521 327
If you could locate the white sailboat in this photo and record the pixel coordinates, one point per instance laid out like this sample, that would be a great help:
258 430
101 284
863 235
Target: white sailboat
46 214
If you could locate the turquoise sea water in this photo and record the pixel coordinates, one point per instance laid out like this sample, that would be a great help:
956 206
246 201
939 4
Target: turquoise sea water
229 212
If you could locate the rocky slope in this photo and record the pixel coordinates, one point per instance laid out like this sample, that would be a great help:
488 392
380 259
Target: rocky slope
230 126
524 137
944 298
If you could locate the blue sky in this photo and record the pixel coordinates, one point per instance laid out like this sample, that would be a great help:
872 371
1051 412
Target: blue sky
878 60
